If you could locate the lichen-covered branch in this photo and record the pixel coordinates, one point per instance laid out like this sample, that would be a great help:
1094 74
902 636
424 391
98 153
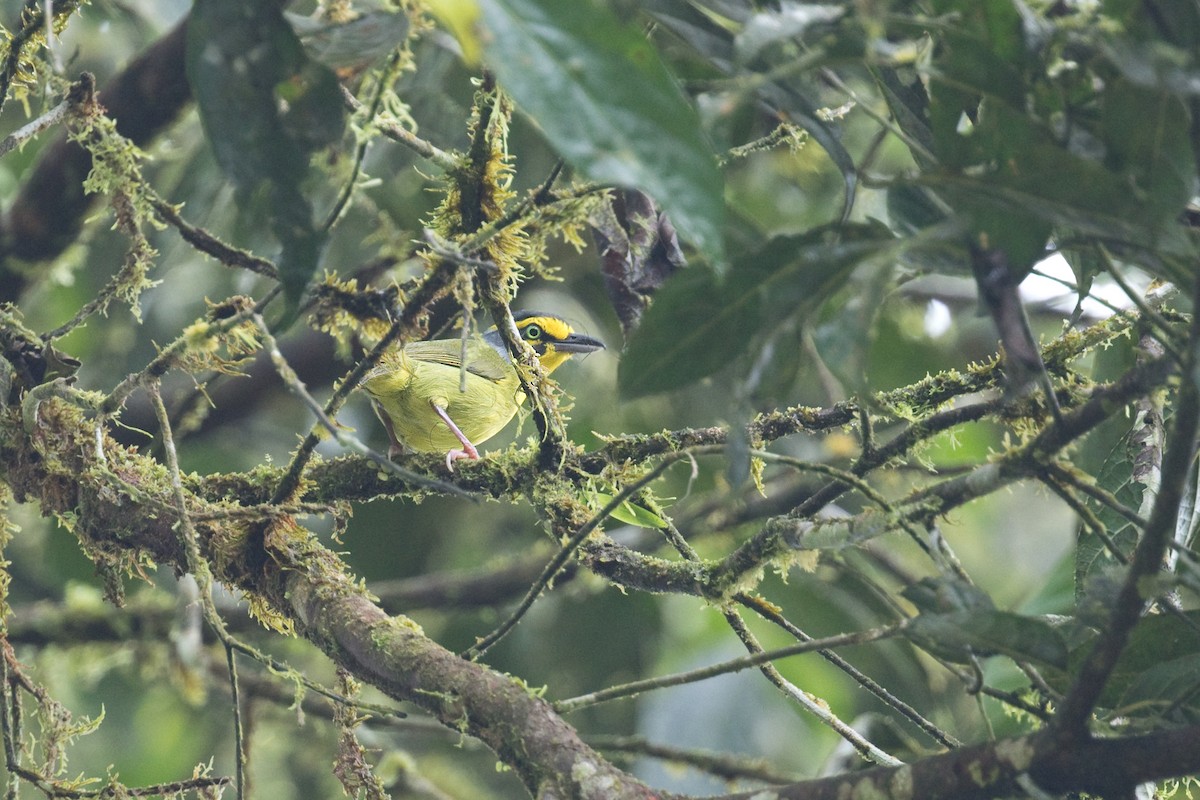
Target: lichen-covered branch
305 585
1012 768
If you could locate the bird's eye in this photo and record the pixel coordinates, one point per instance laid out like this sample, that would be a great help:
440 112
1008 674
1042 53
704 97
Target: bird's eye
533 332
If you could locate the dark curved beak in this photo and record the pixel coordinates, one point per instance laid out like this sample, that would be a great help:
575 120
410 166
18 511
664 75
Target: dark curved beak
579 343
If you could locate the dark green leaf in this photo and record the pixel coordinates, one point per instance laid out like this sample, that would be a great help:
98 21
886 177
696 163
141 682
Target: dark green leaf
699 324
696 29
1149 146
977 71
1152 667
1086 265
351 44
798 108
909 103
1152 26
983 29
1172 682
1156 65
912 208
843 338
958 636
1115 475
944 595
608 105
774 368
1081 212
677 324
244 62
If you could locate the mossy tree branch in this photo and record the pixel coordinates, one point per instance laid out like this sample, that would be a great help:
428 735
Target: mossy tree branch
309 586
303 583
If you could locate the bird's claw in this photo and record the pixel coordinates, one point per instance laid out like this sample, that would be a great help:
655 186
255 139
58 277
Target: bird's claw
470 452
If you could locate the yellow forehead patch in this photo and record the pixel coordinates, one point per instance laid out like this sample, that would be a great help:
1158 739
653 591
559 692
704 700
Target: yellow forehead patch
553 328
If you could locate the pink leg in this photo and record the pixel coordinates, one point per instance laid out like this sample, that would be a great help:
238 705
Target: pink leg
468 450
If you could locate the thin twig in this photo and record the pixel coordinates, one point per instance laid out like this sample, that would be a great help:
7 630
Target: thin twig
396 133
8 717
10 726
560 558
767 611
204 580
1086 516
926 504
732 665
33 20
81 92
770 613
169 356
722 765
819 709
1098 493
199 569
867 491
235 702
1162 328
206 243
360 151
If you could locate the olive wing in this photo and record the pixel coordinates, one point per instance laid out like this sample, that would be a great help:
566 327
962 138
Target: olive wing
482 358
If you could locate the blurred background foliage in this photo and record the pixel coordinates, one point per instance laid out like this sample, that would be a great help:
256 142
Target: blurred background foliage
795 333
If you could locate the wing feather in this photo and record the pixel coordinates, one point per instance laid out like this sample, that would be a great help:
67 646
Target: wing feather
483 360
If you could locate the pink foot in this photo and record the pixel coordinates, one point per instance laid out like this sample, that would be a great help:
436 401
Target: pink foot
470 452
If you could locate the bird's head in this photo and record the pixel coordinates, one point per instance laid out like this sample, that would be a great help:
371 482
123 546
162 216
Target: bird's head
550 336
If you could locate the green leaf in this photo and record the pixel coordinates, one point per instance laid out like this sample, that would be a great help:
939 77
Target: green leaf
353 43
264 106
608 105
700 324
1155 667
985 26
1076 195
1172 682
844 337
1123 169
1149 145
912 208
1085 265
976 71
631 513
909 103
675 345
1156 64
984 632
944 595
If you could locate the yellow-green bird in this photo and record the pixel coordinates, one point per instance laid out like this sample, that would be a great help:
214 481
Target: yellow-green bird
416 389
